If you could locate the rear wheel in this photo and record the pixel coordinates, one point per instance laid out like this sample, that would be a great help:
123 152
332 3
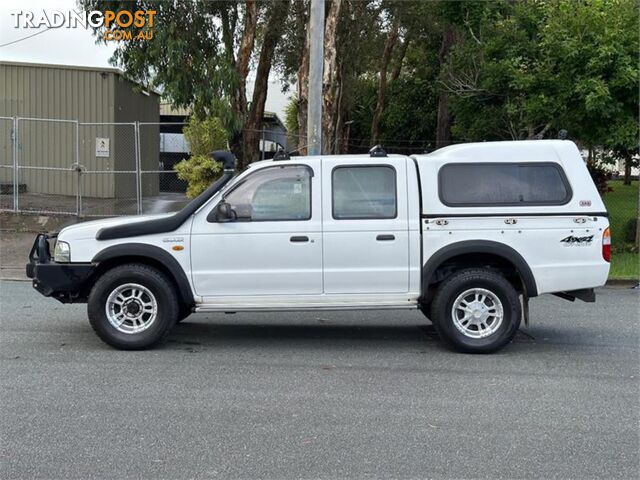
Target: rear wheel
476 311
133 307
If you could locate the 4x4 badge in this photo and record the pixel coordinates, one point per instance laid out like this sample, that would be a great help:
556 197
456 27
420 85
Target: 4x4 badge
571 240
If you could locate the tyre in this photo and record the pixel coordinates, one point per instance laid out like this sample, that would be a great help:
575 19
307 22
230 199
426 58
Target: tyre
476 311
133 307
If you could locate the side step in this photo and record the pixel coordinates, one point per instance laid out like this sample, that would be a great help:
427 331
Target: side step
297 307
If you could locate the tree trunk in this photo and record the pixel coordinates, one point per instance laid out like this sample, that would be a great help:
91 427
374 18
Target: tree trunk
336 146
627 171
329 78
251 134
392 37
235 144
395 73
241 64
443 127
303 93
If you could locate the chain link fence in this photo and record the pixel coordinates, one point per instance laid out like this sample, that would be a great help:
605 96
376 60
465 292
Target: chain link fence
67 167
161 189
108 169
46 166
7 126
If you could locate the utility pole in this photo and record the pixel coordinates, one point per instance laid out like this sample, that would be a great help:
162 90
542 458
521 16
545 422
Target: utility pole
316 63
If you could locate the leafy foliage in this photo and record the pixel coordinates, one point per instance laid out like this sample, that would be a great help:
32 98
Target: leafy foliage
515 70
291 124
186 58
401 132
199 58
200 170
534 68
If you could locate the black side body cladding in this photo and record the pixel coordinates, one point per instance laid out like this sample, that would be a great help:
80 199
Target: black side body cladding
481 246
171 223
142 250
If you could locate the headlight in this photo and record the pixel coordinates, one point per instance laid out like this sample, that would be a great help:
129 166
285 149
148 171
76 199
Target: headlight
62 252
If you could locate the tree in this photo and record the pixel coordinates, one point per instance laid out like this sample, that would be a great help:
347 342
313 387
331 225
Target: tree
389 44
277 14
592 49
200 55
330 78
291 124
200 170
406 22
352 34
529 69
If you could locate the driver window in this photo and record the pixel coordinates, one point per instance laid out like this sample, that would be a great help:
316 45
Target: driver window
272 194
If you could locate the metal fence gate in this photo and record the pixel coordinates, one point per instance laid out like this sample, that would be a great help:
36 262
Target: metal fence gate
67 167
7 163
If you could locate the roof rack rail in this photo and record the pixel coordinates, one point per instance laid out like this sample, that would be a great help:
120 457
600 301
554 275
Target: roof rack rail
377 151
281 154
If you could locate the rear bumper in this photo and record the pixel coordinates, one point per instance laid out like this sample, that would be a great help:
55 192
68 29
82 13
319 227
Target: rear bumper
65 282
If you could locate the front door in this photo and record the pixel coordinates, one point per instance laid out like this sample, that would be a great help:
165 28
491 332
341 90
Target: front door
273 247
365 230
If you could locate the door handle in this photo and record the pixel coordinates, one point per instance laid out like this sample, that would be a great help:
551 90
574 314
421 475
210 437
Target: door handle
299 239
385 238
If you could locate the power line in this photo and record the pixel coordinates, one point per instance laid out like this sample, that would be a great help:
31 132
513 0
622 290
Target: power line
25 38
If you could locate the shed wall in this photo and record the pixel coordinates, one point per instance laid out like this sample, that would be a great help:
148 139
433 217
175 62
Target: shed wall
34 91
75 93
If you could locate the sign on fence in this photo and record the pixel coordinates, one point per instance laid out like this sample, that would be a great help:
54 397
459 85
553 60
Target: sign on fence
102 147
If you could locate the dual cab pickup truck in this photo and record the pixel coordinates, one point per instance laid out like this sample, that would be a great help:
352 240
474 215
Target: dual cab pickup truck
466 234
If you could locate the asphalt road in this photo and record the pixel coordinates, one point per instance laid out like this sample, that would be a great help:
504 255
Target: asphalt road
330 395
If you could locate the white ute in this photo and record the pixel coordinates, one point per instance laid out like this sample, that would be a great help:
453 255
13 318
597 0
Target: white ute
466 234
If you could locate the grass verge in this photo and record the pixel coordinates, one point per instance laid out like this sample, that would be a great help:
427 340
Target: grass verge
624 266
622 205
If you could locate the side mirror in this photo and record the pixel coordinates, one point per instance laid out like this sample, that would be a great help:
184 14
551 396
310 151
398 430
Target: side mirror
223 212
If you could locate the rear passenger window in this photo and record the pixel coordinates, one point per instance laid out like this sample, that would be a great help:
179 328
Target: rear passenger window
514 184
364 192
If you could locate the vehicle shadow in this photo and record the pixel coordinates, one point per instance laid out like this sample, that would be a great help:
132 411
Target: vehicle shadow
252 334
192 335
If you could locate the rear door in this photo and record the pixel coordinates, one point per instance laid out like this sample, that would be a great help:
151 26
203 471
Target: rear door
365 225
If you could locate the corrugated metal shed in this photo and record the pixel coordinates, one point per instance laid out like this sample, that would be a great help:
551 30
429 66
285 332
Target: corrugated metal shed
89 95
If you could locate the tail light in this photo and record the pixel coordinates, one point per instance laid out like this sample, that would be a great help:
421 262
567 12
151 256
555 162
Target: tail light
606 244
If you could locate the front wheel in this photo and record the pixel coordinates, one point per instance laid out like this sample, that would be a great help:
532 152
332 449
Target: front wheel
133 307
476 311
